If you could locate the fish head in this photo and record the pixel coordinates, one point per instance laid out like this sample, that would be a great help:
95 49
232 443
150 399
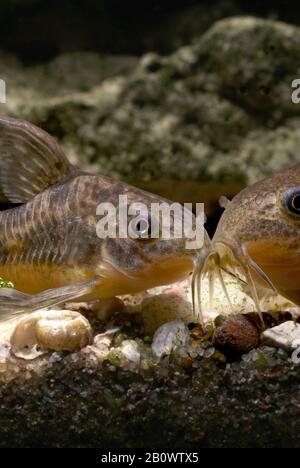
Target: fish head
260 232
153 243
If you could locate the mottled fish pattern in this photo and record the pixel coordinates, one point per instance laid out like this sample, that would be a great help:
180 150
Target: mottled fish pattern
48 235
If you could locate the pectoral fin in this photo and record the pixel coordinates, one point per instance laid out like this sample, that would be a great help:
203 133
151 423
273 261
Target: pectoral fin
14 303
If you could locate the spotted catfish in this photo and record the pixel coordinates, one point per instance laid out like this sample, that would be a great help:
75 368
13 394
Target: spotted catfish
48 243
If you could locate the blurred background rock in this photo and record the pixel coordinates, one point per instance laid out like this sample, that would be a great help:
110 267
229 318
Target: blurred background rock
189 99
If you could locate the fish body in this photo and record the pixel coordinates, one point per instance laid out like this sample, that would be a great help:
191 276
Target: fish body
48 235
51 241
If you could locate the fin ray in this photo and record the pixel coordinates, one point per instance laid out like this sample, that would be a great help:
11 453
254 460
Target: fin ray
30 161
14 303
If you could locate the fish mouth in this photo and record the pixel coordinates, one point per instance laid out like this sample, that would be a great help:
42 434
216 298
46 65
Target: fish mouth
224 257
170 270
117 281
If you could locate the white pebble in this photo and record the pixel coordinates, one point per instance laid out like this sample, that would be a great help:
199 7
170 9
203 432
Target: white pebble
168 337
285 336
130 351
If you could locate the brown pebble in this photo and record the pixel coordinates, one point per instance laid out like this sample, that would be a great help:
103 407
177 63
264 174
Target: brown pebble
186 362
237 335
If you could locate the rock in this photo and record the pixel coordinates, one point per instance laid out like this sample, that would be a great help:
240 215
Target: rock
285 336
218 110
101 345
169 337
130 351
236 335
163 308
249 52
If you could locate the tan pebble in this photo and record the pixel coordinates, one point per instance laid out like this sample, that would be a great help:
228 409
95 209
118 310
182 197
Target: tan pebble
158 310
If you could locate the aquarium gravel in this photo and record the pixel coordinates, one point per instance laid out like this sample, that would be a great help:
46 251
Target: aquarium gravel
117 393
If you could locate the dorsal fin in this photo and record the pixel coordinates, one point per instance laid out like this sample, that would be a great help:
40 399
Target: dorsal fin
30 160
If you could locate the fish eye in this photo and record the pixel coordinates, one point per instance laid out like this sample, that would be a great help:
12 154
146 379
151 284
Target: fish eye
292 201
140 228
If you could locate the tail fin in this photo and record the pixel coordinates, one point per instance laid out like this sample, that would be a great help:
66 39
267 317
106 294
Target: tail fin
30 161
14 303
